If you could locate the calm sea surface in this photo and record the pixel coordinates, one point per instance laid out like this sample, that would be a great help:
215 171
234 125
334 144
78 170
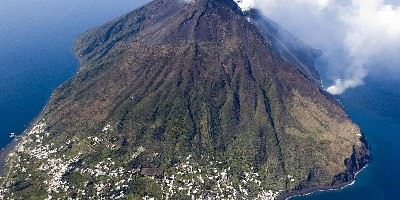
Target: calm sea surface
36 38
375 107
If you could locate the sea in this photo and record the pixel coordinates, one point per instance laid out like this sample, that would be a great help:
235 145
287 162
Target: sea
36 39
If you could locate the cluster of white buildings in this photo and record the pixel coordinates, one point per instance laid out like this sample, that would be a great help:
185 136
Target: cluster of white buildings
109 179
212 181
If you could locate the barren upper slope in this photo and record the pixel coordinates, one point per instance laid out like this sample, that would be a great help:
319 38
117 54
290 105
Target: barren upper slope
178 99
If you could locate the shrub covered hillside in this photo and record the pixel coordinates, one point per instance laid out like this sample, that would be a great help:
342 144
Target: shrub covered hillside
185 100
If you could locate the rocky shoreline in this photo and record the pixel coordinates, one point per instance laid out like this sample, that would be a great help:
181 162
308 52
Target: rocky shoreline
358 161
309 191
157 107
283 196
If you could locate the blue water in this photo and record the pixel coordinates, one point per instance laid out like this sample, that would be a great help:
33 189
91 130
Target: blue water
36 38
375 107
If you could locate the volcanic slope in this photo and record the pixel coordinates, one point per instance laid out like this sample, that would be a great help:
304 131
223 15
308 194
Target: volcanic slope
185 99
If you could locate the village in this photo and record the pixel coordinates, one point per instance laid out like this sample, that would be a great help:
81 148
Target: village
110 179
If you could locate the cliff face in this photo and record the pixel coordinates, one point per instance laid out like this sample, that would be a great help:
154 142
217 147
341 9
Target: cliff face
179 99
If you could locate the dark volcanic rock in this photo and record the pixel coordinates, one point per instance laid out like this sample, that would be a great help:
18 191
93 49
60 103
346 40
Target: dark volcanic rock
205 102
286 45
358 160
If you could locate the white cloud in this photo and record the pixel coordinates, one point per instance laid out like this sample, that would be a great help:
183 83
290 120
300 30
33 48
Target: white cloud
372 29
266 5
364 30
187 1
357 75
372 25
246 5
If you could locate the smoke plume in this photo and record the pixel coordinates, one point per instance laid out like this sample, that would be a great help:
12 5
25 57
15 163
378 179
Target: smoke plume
357 36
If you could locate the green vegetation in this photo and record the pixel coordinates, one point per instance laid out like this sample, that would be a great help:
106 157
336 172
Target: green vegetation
192 105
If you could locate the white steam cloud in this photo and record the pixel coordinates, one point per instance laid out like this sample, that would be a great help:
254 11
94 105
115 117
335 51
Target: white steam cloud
246 5
357 36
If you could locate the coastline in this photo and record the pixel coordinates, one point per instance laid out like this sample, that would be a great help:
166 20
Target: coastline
15 142
285 196
310 191
6 151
